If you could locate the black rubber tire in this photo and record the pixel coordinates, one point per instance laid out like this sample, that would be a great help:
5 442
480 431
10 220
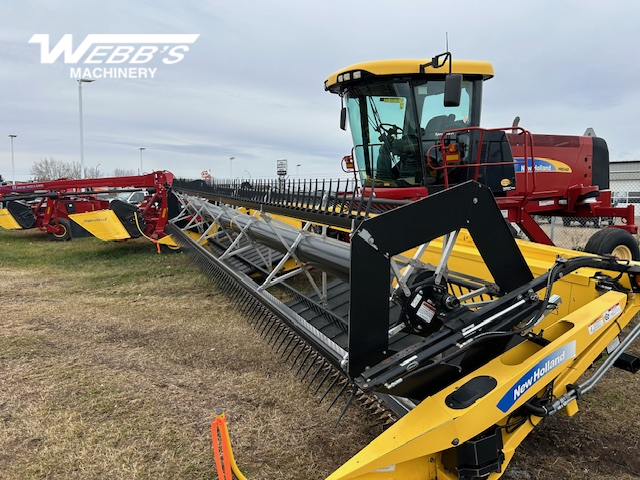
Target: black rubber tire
566 221
169 249
65 235
614 241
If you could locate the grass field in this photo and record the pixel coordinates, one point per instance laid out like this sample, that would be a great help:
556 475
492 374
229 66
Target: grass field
113 360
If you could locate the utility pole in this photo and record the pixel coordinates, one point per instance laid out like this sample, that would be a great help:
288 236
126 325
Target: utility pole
13 165
80 82
141 149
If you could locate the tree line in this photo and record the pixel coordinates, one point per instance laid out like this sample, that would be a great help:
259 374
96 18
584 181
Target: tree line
52 169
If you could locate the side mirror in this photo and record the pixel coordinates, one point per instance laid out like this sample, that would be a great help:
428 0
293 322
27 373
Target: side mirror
343 118
452 90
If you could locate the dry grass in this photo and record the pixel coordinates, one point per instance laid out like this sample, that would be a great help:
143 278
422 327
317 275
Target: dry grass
113 360
114 368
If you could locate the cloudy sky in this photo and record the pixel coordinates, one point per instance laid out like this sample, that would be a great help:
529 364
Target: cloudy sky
251 85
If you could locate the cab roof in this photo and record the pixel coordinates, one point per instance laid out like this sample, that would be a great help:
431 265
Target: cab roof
407 67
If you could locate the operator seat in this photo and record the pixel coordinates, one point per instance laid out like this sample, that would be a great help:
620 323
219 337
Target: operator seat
437 125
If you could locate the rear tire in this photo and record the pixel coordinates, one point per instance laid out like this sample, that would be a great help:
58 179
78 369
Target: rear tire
64 233
614 241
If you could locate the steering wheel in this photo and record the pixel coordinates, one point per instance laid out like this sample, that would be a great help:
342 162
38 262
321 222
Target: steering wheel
391 129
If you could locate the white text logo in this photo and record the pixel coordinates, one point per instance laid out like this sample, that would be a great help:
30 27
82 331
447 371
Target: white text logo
116 49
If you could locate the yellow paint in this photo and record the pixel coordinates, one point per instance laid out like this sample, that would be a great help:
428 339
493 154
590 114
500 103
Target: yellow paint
412 67
433 428
7 221
103 224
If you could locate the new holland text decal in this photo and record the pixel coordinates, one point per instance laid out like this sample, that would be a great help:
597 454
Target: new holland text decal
542 165
529 379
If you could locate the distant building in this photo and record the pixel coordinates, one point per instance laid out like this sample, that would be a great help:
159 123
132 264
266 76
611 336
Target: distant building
624 181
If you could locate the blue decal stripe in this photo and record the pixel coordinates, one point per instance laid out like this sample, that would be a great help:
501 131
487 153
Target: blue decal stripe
529 379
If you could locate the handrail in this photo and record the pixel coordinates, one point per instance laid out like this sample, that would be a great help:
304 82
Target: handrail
527 155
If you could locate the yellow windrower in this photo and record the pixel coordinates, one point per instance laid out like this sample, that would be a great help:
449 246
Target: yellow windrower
222 452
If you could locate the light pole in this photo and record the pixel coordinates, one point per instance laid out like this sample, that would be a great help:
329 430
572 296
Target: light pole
80 82
297 167
141 149
248 173
231 167
13 168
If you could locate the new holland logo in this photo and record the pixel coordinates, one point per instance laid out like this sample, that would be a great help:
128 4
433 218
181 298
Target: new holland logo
541 165
533 376
116 51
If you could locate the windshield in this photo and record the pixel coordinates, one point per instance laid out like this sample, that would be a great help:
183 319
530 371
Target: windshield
393 123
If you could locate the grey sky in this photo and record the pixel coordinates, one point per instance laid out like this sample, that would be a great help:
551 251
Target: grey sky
251 86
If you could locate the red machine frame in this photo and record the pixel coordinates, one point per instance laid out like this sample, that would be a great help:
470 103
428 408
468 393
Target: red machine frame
56 199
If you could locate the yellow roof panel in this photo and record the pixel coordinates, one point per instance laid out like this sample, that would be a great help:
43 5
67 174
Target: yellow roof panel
412 67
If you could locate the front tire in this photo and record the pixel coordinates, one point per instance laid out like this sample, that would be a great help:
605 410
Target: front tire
614 241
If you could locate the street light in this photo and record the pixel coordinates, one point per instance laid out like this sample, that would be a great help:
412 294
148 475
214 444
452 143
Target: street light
80 82
298 166
248 173
141 149
13 168
231 167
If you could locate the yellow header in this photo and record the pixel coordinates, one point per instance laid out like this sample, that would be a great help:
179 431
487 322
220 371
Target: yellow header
408 67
